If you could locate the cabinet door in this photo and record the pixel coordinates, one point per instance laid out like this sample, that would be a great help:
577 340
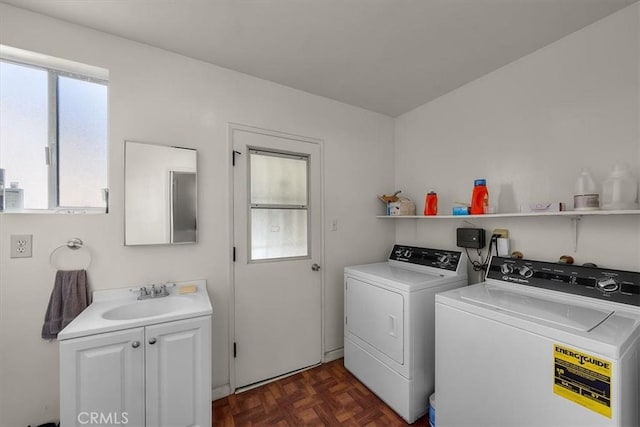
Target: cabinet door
178 371
102 376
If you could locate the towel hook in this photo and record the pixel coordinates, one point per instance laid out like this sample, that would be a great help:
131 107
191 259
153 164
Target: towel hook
74 244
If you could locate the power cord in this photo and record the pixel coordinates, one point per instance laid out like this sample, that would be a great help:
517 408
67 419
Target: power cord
481 265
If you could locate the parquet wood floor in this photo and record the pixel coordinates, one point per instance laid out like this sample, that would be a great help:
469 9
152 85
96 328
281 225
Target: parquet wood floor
326 395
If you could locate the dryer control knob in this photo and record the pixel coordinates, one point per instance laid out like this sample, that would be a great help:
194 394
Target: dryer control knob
607 284
526 271
506 268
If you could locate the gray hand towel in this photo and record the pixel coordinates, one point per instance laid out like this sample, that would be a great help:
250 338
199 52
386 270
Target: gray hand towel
68 298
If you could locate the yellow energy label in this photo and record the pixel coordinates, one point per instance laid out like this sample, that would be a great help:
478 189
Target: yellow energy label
583 379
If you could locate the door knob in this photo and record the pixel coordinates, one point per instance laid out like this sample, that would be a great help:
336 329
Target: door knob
315 267
135 344
152 341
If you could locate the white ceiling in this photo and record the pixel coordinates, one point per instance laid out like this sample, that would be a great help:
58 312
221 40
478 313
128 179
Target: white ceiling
388 56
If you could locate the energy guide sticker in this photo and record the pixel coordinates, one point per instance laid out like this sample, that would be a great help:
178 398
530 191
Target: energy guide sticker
582 378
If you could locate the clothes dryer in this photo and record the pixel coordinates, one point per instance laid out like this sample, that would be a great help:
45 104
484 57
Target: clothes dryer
389 323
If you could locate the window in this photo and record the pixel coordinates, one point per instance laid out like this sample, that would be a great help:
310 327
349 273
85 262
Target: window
53 131
278 205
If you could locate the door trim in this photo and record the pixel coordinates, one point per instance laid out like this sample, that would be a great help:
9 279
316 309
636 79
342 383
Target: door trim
231 129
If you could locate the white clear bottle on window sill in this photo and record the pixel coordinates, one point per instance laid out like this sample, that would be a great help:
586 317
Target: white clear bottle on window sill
13 198
1 190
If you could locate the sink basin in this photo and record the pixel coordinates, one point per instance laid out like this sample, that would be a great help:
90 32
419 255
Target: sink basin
147 308
118 309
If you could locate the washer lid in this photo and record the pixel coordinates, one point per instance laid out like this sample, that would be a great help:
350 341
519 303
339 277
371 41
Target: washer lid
576 317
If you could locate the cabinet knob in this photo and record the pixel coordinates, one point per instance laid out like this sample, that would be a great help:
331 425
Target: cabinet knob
135 344
152 341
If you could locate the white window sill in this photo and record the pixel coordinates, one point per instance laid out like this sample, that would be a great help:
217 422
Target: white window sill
77 211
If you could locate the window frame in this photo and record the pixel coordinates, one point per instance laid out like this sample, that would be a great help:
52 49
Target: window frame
251 206
56 68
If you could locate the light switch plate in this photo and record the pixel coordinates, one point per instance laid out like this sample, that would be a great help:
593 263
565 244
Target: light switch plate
21 246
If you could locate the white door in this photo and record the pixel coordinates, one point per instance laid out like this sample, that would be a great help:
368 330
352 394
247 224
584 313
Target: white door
103 374
278 249
178 372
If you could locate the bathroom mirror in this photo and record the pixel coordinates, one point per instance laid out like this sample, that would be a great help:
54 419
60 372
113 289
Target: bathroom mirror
160 186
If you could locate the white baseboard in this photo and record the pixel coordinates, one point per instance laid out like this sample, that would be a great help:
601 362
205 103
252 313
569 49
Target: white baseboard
220 392
333 355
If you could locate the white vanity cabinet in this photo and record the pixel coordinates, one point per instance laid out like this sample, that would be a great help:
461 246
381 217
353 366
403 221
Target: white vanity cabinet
178 373
103 374
155 376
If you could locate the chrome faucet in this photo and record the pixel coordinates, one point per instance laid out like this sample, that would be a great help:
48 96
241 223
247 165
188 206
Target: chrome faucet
162 292
147 292
144 293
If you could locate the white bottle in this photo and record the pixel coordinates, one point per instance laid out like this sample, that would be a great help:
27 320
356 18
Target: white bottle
1 189
13 198
586 197
620 189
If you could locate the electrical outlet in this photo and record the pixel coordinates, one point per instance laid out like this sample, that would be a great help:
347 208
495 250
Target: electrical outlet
502 232
21 246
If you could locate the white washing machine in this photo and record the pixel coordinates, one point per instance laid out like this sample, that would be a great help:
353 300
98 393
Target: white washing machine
540 344
389 323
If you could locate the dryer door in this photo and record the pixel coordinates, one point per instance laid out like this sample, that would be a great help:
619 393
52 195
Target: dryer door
376 316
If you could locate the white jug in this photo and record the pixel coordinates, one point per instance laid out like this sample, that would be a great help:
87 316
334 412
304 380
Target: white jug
620 189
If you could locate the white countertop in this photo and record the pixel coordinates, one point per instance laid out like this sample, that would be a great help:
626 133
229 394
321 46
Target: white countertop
91 320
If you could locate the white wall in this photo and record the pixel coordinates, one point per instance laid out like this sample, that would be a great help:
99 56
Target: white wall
529 128
157 96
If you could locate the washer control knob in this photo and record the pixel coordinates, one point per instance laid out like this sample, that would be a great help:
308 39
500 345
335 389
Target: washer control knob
444 259
526 271
506 268
407 253
607 284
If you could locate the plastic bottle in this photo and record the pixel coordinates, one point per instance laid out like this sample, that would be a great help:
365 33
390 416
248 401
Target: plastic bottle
1 190
13 198
585 183
480 197
620 189
431 203
586 195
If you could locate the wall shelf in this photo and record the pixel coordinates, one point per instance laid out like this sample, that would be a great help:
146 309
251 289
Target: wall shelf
568 214
574 216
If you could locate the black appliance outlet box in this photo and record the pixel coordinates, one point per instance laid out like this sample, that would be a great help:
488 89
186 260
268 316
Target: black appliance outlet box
470 238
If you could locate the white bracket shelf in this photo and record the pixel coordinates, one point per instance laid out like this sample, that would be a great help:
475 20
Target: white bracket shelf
570 214
575 217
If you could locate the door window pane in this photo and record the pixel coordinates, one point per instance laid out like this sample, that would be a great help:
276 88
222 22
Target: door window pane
278 233
278 208
277 180
24 124
82 142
